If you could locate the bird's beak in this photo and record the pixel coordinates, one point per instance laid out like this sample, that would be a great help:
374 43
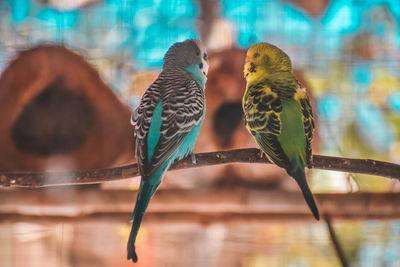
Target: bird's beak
245 72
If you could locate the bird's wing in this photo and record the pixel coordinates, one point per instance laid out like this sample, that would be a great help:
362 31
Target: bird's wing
182 109
263 108
141 120
308 123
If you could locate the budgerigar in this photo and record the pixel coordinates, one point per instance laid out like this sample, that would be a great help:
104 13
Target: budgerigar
167 121
278 113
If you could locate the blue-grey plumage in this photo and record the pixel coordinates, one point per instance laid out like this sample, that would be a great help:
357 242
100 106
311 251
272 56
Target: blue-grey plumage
167 121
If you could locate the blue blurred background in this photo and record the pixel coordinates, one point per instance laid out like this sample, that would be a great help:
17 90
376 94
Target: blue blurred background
348 52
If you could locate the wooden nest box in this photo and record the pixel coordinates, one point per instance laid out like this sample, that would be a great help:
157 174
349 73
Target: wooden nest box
56 114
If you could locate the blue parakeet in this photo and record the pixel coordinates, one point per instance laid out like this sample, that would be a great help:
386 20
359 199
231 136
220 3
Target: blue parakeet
167 121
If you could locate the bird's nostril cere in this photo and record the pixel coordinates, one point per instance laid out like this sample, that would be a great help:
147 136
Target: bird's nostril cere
227 118
201 65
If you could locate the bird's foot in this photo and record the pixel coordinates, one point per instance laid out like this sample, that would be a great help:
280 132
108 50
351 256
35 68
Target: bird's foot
194 161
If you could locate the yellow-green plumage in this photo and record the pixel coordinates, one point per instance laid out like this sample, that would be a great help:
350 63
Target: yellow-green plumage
278 113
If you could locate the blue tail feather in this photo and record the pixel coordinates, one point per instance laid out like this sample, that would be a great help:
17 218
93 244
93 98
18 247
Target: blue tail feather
146 191
300 177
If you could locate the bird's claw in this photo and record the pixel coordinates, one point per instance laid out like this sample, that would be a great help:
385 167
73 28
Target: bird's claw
194 161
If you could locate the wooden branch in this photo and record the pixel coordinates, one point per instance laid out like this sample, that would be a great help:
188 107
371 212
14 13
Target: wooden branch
250 155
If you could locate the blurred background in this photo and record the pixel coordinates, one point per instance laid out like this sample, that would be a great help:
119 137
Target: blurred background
71 72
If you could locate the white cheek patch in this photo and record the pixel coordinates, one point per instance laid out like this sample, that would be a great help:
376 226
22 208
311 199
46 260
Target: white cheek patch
204 62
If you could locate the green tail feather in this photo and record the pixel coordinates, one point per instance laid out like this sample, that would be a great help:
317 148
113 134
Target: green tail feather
300 177
146 191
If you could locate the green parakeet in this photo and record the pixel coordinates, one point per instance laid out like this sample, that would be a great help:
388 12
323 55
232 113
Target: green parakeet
278 113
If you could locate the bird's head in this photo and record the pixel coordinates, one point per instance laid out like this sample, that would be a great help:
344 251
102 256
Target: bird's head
190 55
264 59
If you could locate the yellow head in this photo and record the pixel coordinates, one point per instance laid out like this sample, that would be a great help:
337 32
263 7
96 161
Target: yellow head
264 59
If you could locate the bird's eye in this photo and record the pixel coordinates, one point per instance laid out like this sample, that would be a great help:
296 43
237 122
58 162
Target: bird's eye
201 65
197 53
256 55
205 56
